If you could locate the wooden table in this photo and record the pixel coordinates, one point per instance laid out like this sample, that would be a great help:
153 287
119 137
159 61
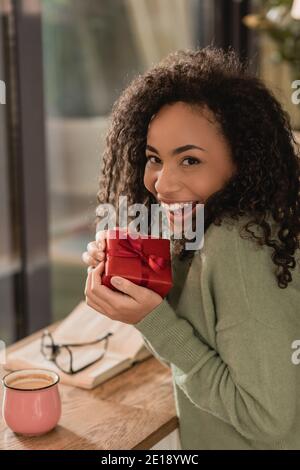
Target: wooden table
133 410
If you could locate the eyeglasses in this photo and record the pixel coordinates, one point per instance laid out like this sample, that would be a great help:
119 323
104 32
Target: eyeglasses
62 355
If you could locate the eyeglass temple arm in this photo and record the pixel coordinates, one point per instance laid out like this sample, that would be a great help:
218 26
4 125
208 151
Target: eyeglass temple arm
86 344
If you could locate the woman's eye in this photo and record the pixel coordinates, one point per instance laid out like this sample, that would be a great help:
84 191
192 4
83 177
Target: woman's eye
152 156
193 161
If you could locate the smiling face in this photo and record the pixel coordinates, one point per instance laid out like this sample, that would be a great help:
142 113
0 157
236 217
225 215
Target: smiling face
188 159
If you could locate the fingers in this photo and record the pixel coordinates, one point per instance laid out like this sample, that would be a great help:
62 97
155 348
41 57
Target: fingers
99 305
107 296
96 251
101 245
93 279
128 287
87 259
96 274
94 254
92 300
100 238
87 288
99 308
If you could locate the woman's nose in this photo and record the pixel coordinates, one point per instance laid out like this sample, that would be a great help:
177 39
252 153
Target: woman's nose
166 182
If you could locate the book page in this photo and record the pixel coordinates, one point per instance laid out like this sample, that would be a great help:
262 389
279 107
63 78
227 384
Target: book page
85 324
82 325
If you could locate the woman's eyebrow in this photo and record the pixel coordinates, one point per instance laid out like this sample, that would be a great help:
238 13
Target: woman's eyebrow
178 150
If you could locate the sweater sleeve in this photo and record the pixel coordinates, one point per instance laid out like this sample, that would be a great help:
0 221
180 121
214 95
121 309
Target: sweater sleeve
154 353
248 380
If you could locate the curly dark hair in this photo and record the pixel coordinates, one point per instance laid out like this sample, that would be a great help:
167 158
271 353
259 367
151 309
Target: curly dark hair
258 130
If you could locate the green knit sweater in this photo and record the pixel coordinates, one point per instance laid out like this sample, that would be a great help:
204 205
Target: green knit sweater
226 330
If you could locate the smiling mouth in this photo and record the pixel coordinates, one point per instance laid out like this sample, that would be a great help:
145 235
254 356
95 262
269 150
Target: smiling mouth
180 207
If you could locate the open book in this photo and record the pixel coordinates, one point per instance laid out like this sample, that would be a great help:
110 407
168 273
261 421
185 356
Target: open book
125 347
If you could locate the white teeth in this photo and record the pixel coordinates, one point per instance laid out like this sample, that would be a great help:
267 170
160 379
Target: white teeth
178 206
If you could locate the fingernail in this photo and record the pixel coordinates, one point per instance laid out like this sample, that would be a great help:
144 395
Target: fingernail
116 281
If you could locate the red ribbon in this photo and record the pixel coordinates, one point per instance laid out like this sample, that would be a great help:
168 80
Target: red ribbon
133 248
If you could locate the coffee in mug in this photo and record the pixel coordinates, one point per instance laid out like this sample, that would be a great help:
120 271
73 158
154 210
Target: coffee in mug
31 403
31 382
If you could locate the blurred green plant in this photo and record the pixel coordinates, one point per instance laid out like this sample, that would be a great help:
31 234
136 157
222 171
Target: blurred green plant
273 17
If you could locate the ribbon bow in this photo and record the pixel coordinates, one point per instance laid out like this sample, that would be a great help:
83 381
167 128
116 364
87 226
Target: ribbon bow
133 248
130 247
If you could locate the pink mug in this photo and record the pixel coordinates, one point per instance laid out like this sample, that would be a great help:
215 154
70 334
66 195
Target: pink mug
31 402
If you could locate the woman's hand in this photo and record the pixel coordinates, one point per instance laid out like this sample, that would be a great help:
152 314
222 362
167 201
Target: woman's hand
130 305
95 251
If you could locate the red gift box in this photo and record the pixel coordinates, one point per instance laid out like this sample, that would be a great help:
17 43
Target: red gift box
144 261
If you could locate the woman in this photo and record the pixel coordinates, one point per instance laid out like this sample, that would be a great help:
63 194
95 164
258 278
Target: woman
199 128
